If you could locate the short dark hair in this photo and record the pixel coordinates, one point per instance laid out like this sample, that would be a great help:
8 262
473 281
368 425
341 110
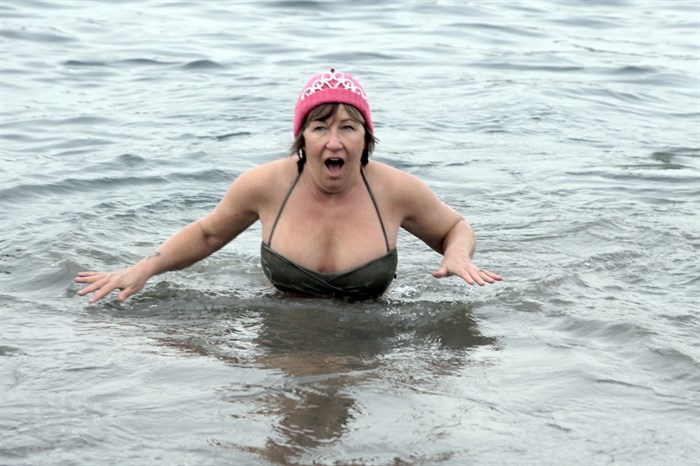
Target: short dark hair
325 111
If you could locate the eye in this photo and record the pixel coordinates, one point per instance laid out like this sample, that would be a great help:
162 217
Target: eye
349 127
318 127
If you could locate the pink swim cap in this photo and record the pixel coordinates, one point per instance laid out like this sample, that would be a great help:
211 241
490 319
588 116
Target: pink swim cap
332 87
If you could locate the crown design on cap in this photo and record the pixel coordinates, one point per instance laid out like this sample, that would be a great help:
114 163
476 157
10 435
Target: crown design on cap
333 87
333 80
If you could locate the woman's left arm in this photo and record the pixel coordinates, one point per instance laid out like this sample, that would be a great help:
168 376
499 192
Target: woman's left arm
443 229
458 247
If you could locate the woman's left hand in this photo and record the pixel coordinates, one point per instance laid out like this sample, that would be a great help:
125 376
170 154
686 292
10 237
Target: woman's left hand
467 271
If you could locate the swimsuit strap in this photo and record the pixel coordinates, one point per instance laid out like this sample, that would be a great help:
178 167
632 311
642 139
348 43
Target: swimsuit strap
284 203
371 195
376 207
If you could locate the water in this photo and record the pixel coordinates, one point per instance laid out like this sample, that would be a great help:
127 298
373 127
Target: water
567 132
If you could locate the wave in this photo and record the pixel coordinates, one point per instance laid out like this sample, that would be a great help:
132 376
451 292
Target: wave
20 194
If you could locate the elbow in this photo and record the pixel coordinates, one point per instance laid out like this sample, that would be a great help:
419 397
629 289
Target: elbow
211 241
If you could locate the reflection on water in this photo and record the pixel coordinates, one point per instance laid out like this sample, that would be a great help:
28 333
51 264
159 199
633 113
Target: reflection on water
321 353
310 415
325 353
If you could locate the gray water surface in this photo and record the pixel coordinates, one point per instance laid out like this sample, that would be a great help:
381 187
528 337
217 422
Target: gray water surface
567 132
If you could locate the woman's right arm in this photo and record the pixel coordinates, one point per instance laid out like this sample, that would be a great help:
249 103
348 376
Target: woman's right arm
235 213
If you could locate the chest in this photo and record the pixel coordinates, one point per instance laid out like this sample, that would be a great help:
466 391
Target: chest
329 236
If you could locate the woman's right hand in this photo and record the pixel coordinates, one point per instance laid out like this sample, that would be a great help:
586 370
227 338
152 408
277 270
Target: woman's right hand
101 284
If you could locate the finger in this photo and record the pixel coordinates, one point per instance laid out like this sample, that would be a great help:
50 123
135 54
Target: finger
441 272
478 279
466 276
96 284
472 276
493 276
101 288
88 277
486 277
127 293
103 291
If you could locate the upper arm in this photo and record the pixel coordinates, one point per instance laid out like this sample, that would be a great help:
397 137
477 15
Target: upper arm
425 215
237 210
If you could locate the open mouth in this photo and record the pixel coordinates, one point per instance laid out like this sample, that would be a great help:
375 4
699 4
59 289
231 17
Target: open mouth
334 164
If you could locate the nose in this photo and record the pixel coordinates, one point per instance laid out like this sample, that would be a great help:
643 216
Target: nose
333 140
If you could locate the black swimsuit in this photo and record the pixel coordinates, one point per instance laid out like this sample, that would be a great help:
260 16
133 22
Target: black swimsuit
366 281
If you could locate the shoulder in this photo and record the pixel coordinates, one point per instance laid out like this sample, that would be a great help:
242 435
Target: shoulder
264 178
248 197
409 193
270 170
394 182
407 198
257 186
386 174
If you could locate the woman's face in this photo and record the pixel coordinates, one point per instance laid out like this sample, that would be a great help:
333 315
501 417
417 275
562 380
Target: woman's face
334 146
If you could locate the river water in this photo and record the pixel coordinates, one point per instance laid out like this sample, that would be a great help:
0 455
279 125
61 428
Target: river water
567 132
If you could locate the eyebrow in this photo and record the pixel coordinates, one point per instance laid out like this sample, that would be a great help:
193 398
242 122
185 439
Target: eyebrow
344 120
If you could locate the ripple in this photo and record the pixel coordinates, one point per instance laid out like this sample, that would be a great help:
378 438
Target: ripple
10 351
203 65
528 67
18 195
55 36
78 120
84 63
236 134
342 57
142 62
677 158
500 28
298 5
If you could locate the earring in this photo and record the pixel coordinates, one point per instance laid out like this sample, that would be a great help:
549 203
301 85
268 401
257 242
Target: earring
302 159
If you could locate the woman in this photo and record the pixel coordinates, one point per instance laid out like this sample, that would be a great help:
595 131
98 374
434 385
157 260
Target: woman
330 217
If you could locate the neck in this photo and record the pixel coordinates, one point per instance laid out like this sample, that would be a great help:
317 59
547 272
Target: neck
332 195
